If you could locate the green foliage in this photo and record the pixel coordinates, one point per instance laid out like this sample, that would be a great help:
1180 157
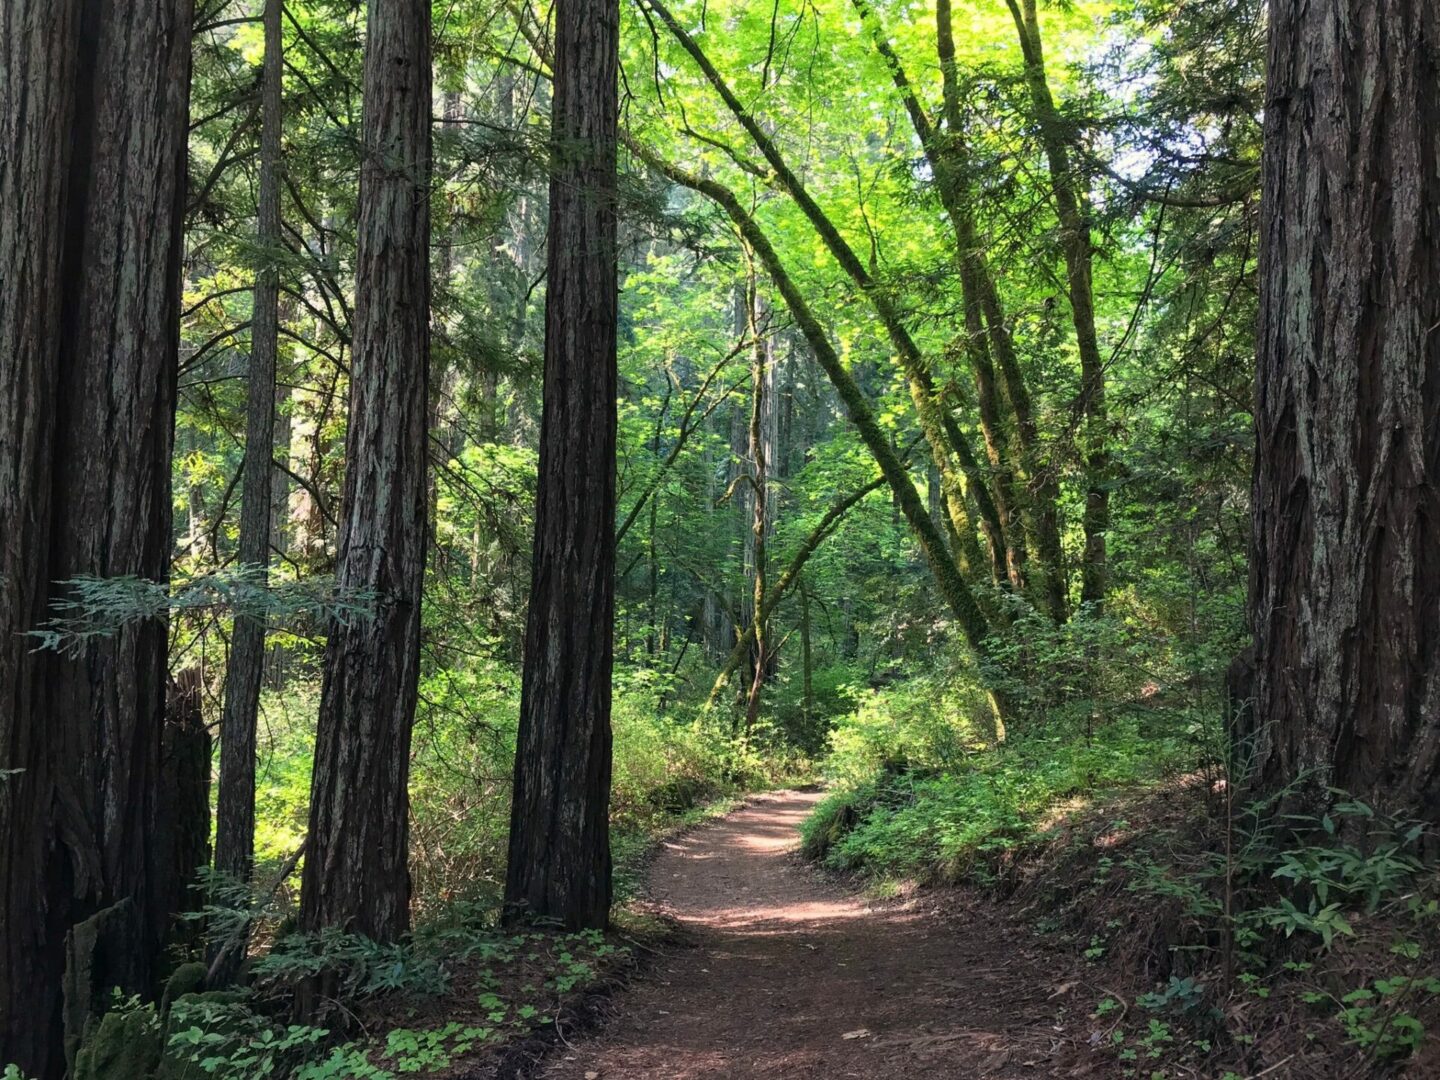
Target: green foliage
921 794
219 1035
923 785
1342 870
99 606
226 1040
1301 906
433 1049
1184 995
347 1062
667 764
1376 1017
925 725
243 1034
357 966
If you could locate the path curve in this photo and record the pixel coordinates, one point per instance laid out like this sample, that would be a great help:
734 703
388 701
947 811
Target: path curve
793 975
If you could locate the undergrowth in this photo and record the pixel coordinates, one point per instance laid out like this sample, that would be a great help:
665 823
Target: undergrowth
416 1007
1253 937
459 987
921 793
1234 934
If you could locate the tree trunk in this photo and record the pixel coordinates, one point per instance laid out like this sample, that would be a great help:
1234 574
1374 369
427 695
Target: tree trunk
653 642
1075 242
183 818
278 659
1346 567
37 50
773 595
93 117
718 634
761 367
356 873
947 162
559 865
807 661
235 805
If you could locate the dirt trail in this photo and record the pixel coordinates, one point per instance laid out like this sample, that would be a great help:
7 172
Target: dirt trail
793 975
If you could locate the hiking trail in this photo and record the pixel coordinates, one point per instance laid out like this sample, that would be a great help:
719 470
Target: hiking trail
784 971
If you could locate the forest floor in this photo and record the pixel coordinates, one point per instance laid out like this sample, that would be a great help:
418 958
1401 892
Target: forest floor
780 970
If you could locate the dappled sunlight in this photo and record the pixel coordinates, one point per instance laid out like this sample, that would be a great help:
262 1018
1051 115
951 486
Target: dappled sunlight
797 977
760 889
815 911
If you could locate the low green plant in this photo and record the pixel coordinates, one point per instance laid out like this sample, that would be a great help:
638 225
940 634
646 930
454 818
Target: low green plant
434 1049
948 798
348 1062
1377 1017
358 966
227 1040
1321 882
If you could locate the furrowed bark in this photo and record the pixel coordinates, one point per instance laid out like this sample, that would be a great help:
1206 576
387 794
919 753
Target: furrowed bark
37 55
1345 579
356 865
235 804
559 858
93 118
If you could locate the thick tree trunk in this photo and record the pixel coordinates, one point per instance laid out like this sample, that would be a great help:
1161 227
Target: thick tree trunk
235 806
37 55
356 873
559 866
93 117
1346 569
183 819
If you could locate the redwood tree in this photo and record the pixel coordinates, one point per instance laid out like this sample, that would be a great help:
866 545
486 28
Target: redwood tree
559 865
1346 571
235 807
93 119
356 873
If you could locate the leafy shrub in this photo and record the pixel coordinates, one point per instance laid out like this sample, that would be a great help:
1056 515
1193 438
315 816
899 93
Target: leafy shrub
919 725
669 761
922 793
1328 918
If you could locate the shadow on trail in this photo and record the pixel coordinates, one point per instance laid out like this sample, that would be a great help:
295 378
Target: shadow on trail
793 974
